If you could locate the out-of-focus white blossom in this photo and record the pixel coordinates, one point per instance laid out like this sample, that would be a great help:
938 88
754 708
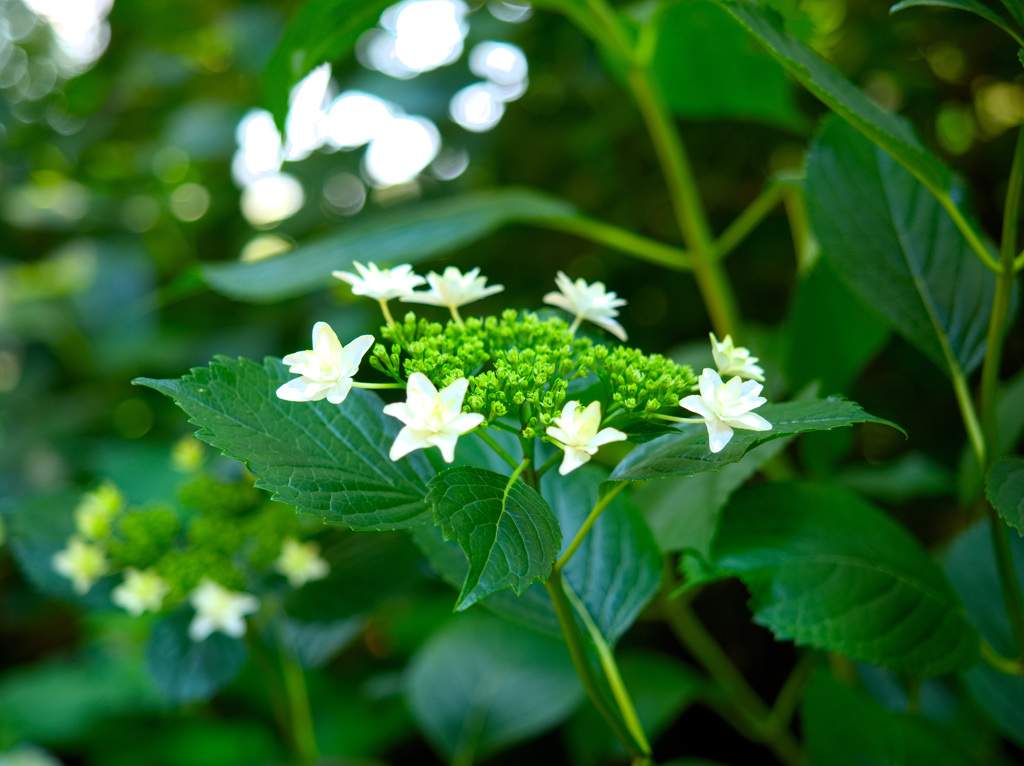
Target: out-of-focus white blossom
381 284
591 303
97 509
432 418
219 609
454 289
141 591
735 360
82 563
301 562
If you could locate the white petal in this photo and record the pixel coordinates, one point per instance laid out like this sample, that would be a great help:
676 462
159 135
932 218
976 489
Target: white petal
408 440
446 443
719 434
400 410
299 357
559 434
607 436
354 352
751 421
200 628
420 392
453 395
613 327
559 300
465 422
301 390
697 404
573 459
709 383
336 394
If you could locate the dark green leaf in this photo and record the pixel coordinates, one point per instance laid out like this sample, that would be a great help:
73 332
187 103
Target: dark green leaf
971 6
615 571
325 459
1006 490
321 31
824 308
413 233
660 686
830 570
1010 417
481 684
911 476
844 726
313 643
698 41
890 132
687 452
187 670
509 535
971 567
895 246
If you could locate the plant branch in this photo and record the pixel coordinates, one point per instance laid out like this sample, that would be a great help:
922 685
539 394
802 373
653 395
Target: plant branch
977 245
551 461
599 506
490 442
748 220
624 240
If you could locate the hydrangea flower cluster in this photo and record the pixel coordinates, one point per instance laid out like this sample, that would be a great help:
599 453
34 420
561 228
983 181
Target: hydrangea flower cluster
514 371
204 557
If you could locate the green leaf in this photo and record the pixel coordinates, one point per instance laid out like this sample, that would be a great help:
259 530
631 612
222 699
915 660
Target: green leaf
407 235
324 459
615 571
971 568
971 6
683 514
480 685
843 725
698 41
1010 416
827 569
895 246
509 535
1005 490
888 131
321 31
829 334
687 452
187 670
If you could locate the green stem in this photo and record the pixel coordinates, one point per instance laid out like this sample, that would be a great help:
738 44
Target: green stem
599 506
300 715
357 384
623 240
997 661
456 316
514 476
969 415
578 652
1008 579
549 463
789 696
489 441
386 311
682 188
979 247
611 672
674 419
748 220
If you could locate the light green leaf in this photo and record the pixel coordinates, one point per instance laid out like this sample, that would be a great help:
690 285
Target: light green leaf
971 6
615 572
971 567
480 685
892 243
687 452
842 725
509 535
187 670
888 131
829 570
407 235
1005 490
320 31
698 42
324 459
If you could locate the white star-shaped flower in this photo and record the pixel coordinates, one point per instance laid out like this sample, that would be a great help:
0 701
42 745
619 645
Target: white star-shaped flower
725 406
301 562
453 289
381 284
588 302
80 562
97 509
735 360
219 609
327 370
432 418
576 432
141 591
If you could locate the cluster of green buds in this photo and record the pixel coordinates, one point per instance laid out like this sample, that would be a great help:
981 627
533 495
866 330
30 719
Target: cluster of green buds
519 371
226 536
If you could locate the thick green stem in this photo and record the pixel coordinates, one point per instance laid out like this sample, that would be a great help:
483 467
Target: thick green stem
489 441
626 241
578 652
599 506
977 245
549 463
990 388
682 188
748 220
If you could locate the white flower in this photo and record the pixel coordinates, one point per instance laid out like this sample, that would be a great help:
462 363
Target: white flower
725 406
735 360
141 591
97 509
576 432
381 284
588 302
453 289
81 563
301 562
432 418
218 608
327 370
